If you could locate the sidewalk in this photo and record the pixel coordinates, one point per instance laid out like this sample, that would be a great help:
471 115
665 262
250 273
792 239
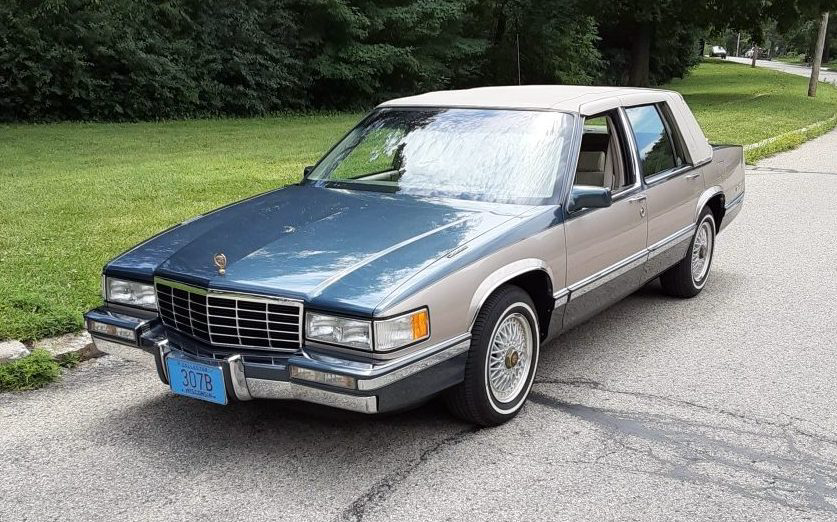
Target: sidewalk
818 155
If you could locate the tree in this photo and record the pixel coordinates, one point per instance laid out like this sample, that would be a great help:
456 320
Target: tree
556 44
815 65
788 12
635 33
628 29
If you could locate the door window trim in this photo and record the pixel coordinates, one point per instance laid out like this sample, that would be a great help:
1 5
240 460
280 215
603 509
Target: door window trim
678 144
633 160
633 157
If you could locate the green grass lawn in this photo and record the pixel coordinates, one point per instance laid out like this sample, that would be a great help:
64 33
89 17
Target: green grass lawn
75 195
738 104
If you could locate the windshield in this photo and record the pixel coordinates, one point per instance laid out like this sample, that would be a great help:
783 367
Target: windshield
483 154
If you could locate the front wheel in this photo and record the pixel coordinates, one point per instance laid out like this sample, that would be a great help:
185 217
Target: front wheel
688 277
502 361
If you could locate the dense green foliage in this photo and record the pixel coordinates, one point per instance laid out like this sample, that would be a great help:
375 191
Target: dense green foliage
125 60
28 373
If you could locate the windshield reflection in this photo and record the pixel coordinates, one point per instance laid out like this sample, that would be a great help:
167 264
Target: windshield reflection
483 154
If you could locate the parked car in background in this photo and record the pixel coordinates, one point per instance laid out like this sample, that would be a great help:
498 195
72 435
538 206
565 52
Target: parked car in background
764 54
718 52
433 251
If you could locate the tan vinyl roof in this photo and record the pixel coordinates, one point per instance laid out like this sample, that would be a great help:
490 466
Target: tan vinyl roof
587 101
569 98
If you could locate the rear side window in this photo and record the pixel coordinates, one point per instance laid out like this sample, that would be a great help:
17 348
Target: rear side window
656 152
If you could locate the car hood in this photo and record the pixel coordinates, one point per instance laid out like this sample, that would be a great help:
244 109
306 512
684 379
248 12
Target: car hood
335 249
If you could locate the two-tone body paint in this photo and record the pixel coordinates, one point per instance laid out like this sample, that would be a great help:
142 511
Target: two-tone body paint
592 258
376 255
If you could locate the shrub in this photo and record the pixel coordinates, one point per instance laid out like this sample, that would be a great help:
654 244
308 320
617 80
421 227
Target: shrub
27 373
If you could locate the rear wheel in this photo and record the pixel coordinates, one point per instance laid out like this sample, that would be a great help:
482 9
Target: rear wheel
688 277
502 361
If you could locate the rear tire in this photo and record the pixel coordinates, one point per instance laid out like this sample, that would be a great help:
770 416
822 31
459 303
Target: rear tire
688 277
502 361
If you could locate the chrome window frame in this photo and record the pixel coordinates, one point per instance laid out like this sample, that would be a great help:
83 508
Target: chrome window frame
634 157
666 175
678 143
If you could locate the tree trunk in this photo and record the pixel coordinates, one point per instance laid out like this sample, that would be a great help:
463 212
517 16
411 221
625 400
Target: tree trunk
641 56
755 55
815 65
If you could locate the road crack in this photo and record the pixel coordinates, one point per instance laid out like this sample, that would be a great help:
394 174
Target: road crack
779 170
763 464
788 425
384 488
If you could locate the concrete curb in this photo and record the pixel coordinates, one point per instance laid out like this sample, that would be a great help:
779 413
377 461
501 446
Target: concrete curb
77 346
804 130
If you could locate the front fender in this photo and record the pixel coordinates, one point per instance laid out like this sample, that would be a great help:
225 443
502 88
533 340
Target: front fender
501 276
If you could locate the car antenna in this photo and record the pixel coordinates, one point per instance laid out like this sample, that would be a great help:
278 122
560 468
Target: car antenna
517 39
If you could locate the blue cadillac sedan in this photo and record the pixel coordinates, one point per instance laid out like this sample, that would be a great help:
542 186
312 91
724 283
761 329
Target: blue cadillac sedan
431 252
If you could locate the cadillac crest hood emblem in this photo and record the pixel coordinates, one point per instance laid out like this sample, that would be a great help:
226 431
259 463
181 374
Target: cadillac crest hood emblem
220 261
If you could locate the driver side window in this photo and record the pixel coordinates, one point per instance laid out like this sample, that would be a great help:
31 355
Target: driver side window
603 160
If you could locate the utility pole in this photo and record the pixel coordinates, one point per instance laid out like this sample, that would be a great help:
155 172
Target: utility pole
815 66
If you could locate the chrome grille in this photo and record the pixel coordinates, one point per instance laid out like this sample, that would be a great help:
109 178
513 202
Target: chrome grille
229 319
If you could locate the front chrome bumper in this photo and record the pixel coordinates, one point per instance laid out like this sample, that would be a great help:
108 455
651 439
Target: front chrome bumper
379 387
245 388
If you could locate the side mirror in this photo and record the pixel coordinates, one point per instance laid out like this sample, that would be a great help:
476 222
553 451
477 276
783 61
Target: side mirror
586 196
307 170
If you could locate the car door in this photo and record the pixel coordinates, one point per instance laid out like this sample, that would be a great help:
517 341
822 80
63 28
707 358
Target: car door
606 247
672 184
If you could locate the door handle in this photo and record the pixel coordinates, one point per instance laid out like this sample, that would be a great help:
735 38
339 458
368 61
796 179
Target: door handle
639 198
696 175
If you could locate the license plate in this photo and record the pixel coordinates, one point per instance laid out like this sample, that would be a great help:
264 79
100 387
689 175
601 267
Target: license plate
197 380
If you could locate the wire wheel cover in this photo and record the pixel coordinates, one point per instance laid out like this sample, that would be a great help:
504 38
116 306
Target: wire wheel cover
702 251
510 357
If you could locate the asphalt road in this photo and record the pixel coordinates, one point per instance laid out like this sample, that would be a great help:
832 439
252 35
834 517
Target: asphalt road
716 408
799 70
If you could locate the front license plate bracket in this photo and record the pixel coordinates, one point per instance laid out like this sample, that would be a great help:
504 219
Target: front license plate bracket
197 380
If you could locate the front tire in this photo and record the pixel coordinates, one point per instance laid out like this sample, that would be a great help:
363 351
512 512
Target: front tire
688 277
502 361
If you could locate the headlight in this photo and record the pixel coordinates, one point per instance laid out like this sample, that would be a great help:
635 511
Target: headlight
130 293
390 334
339 330
402 330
